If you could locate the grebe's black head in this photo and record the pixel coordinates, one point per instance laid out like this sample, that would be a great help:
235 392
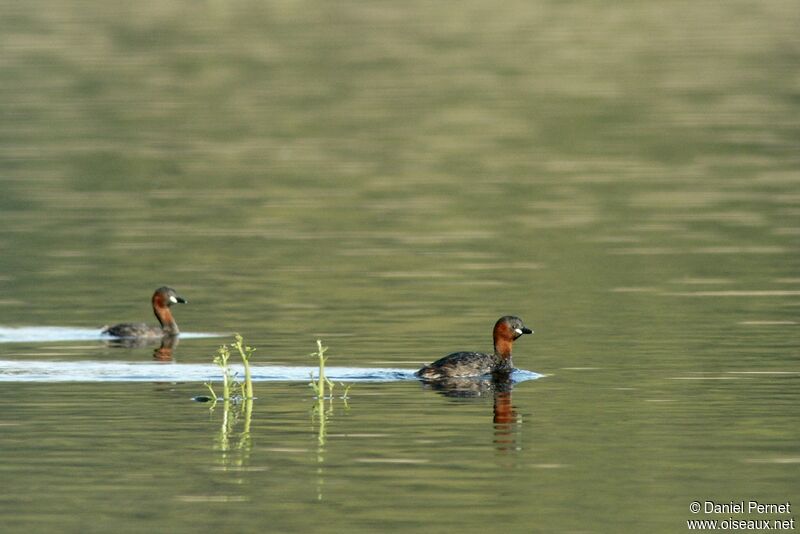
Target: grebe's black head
166 296
513 325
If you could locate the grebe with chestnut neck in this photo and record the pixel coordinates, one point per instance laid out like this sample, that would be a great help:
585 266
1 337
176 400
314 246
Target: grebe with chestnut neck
163 299
473 364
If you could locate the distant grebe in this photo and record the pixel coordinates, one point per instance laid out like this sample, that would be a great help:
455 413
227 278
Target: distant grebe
466 364
163 298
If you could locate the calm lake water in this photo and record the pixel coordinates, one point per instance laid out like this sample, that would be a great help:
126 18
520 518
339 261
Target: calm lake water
391 178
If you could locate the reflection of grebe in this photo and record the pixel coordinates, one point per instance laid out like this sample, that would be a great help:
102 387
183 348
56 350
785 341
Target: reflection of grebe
504 415
164 352
465 364
466 387
163 299
505 420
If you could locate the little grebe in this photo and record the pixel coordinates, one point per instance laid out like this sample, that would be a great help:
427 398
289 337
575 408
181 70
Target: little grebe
163 298
466 364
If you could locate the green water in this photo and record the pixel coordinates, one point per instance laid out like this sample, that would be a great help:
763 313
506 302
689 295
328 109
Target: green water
392 177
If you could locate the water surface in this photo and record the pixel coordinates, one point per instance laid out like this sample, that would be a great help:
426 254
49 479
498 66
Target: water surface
391 179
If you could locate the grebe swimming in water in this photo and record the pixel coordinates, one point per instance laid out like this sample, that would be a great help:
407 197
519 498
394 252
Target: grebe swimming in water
469 364
163 298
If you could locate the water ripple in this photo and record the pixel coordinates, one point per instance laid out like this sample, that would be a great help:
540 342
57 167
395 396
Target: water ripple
36 334
94 371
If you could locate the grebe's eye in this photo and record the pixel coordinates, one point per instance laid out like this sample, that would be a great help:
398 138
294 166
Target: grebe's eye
172 299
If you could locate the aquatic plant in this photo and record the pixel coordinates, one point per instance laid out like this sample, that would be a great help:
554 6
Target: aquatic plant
234 389
320 413
245 353
319 385
237 397
322 381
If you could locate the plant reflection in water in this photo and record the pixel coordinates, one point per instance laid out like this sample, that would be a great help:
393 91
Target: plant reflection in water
321 412
237 405
234 446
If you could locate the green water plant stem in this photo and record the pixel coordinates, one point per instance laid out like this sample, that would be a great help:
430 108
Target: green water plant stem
322 410
245 353
221 359
319 385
